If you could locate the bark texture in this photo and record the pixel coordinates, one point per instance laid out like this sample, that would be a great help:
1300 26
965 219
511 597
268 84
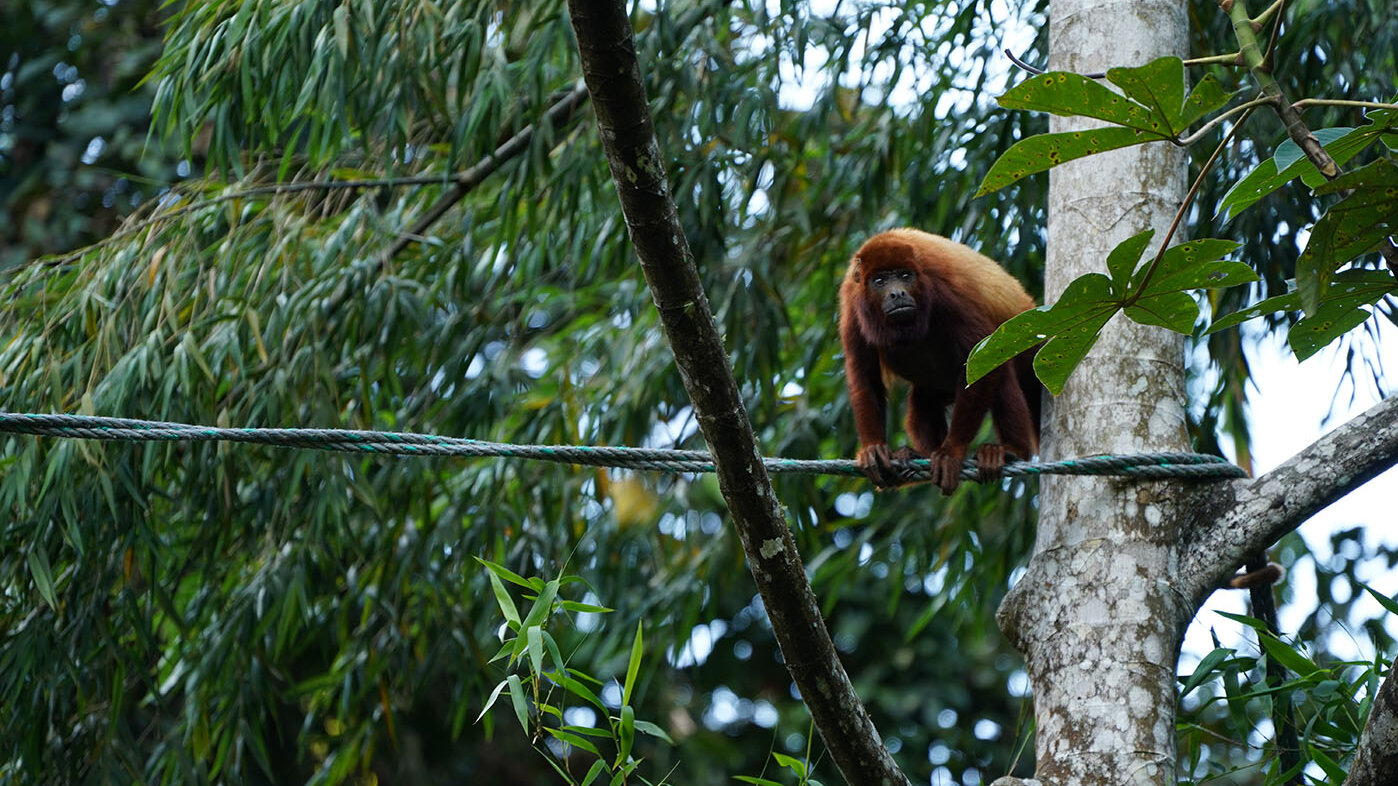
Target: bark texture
1233 520
613 78
1376 762
1096 615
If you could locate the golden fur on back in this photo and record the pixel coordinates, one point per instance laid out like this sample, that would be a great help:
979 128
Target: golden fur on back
973 276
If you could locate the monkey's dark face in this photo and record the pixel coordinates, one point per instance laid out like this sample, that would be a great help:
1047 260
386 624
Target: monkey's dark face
895 290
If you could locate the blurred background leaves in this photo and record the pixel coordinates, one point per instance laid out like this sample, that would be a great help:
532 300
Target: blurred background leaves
200 612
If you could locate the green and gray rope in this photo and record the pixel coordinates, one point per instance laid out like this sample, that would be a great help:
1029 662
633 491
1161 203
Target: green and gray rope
1143 465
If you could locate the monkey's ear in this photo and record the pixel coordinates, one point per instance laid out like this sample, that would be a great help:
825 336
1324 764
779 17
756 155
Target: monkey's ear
856 271
1271 574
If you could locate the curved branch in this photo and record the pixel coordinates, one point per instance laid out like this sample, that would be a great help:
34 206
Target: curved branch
613 75
1239 519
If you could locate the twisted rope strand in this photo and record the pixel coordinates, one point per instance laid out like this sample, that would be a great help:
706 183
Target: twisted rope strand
396 443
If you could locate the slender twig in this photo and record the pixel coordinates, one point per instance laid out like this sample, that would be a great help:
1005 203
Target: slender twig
1235 59
1209 126
1276 8
1231 59
462 182
1306 103
1296 128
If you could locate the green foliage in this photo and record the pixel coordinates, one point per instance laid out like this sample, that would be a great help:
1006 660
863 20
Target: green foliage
799 768
1227 695
1288 163
1153 293
75 157
540 696
187 613
196 613
1152 107
1356 225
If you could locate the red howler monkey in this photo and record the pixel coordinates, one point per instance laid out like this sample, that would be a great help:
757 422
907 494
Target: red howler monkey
912 306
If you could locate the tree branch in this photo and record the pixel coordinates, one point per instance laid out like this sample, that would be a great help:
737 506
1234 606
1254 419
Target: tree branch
1376 759
1242 518
613 77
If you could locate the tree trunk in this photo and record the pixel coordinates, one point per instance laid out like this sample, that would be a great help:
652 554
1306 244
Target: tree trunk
1096 615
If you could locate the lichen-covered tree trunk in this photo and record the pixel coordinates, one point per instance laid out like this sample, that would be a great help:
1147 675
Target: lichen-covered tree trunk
1095 615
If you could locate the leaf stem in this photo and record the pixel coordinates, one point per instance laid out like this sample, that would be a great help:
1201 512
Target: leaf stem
1184 206
1204 129
1310 102
1233 59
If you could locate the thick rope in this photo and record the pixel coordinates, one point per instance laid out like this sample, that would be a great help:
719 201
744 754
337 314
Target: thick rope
1143 465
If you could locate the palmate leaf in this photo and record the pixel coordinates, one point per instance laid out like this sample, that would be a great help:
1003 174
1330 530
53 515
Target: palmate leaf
1198 264
1314 331
1352 287
1289 161
1151 294
1124 259
1341 143
1068 329
1154 108
1173 310
1341 309
1061 354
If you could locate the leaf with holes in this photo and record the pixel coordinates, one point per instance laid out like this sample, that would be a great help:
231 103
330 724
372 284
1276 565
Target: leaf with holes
1175 311
1159 87
1198 264
1289 162
1062 353
1155 108
1314 331
1074 95
1354 288
1043 152
1355 226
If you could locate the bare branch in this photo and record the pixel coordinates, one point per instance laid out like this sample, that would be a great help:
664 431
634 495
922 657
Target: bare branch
613 76
1376 760
1238 519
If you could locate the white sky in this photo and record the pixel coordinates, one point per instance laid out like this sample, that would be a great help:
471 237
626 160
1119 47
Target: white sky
1288 410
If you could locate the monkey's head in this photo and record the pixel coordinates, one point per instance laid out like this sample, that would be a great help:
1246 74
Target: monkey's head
895 290
886 285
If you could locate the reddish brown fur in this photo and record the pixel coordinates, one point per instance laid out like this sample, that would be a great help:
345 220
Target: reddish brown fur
961 297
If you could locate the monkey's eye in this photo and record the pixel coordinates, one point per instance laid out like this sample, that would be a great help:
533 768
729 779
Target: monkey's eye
905 275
